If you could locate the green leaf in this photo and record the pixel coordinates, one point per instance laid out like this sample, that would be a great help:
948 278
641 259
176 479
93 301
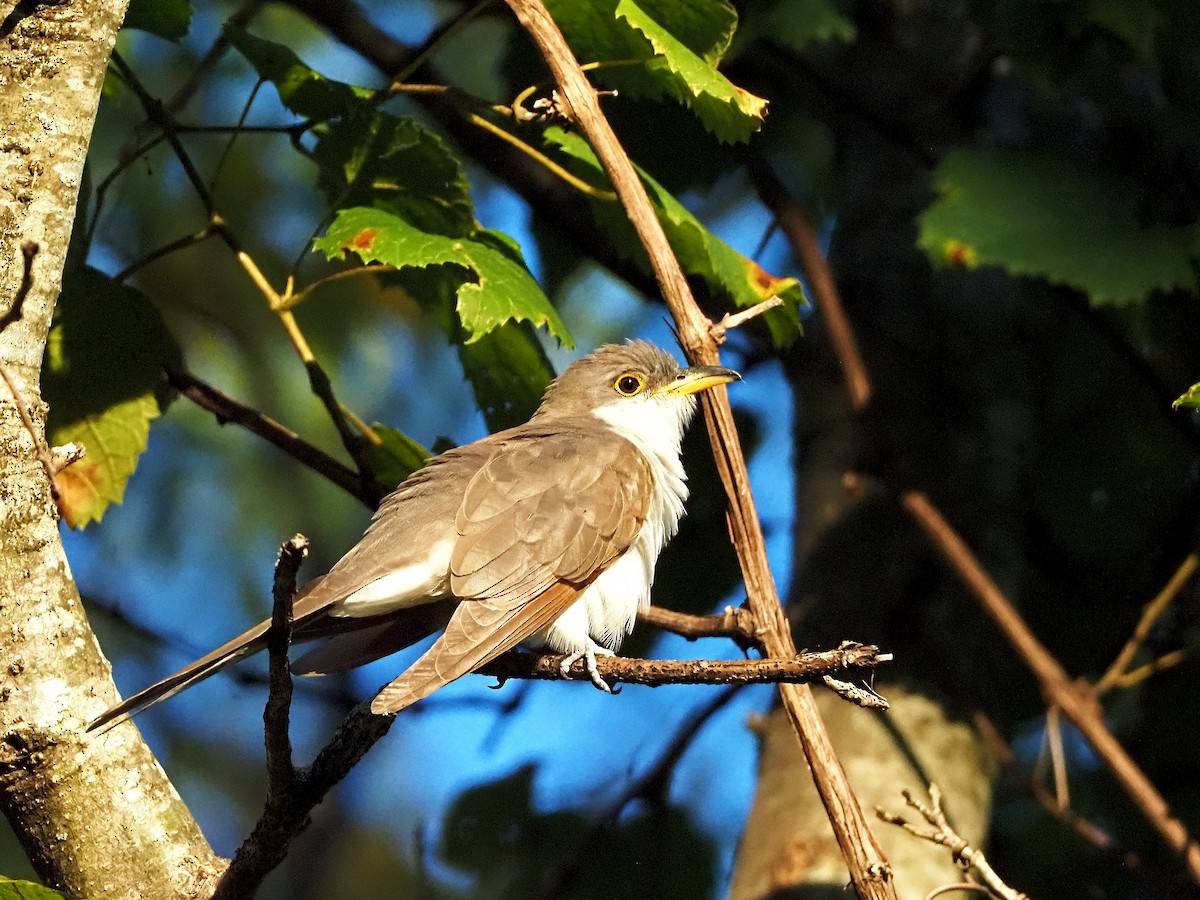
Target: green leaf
1049 218
702 254
508 371
168 19
1135 22
680 43
301 89
372 158
395 457
726 110
103 381
26 890
1190 399
498 287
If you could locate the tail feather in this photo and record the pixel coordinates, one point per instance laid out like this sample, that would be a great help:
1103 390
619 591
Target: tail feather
244 644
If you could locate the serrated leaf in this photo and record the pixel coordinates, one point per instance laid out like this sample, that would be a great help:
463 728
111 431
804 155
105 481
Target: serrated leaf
26 890
1190 399
701 253
395 457
1050 218
498 288
168 19
103 381
508 371
372 158
705 27
730 113
681 43
301 89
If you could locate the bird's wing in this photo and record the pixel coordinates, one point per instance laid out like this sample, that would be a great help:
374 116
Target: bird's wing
537 524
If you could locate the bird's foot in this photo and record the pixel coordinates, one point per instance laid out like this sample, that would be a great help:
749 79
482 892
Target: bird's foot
588 655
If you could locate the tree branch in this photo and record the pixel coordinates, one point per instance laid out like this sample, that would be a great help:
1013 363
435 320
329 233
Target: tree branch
226 409
1078 704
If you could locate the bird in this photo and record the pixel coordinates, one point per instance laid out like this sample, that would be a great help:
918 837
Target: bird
545 534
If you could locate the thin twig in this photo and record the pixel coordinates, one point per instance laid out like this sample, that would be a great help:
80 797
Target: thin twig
1077 704
29 251
1088 831
281 773
941 833
801 234
730 321
226 409
652 786
737 624
869 870
1151 614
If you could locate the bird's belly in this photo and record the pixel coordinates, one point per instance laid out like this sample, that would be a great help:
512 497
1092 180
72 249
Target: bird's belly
606 609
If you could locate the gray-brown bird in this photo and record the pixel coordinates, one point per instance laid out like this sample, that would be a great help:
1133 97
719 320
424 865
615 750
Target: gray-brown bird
545 534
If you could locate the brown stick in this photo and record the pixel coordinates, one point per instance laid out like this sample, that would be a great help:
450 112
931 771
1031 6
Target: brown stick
803 667
794 221
868 867
1077 703
226 409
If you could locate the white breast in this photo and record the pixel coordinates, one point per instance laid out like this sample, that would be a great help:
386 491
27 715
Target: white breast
607 609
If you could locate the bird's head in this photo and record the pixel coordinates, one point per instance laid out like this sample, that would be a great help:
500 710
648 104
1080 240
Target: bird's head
638 389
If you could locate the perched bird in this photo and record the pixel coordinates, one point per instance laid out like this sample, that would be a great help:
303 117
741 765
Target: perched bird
546 534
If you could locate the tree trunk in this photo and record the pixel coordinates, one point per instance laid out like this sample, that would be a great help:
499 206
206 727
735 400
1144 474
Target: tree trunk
95 813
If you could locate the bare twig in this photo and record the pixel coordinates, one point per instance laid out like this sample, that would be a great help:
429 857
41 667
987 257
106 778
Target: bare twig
730 321
226 409
801 234
277 714
737 624
1090 832
1119 670
804 667
941 833
29 251
1077 702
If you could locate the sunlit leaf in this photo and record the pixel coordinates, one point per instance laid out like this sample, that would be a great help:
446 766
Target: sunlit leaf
371 158
729 112
1191 398
678 44
498 288
702 254
1053 219
301 89
103 381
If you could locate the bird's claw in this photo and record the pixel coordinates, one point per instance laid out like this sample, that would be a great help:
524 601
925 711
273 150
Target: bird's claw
588 655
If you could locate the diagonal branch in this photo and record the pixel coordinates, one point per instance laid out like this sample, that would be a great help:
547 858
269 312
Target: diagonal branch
868 867
1078 704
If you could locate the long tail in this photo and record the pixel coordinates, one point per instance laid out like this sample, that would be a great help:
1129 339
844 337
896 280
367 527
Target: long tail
245 644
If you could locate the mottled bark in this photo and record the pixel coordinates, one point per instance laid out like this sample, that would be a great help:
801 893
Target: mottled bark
788 850
96 814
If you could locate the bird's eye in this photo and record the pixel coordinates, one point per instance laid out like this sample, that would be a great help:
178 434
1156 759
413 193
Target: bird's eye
629 384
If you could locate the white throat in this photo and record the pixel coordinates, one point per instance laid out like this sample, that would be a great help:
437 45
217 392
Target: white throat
607 609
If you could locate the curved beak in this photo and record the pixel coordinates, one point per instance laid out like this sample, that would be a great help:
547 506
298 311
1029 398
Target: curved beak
696 379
